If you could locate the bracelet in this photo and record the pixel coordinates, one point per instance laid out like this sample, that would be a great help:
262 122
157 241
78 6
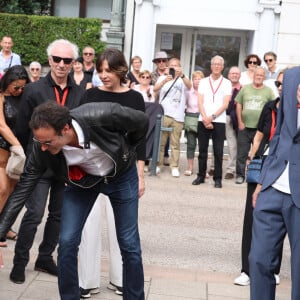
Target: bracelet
182 76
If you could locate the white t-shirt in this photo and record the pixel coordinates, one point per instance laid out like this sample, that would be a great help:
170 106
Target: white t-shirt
175 101
214 92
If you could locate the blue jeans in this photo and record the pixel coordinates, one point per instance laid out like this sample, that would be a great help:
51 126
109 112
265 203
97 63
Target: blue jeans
123 194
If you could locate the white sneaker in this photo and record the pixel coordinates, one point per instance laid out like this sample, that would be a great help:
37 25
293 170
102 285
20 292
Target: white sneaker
277 279
157 170
175 172
243 279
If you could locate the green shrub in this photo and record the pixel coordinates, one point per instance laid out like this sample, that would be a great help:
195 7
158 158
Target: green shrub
33 34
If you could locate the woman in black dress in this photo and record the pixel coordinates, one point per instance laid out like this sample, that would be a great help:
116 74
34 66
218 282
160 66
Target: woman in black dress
11 88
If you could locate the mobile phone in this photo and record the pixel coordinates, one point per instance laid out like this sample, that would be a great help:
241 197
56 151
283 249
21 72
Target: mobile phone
172 72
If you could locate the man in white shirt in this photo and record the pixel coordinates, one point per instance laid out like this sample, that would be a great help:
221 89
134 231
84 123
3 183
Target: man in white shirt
7 57
214 96
171 89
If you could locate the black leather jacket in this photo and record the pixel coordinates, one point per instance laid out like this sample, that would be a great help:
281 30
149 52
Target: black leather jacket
116 129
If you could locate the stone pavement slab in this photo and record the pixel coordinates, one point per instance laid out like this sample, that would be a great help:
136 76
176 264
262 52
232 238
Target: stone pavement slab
191 242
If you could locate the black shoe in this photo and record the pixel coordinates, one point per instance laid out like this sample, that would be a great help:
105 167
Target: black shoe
218 183
47 266
17 274
87 293
198 180
118 289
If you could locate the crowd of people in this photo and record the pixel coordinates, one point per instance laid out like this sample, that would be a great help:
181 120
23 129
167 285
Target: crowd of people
91 142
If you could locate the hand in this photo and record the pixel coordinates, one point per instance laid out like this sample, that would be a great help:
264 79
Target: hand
241 126
209 126
141 186
298 93
255 195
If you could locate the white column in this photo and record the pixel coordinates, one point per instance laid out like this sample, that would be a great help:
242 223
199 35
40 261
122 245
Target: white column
144 31
266 35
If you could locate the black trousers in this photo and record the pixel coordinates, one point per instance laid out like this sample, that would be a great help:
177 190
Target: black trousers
247 231
33 216
217 134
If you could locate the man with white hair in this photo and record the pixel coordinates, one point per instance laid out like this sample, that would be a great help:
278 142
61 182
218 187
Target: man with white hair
57 85
214 96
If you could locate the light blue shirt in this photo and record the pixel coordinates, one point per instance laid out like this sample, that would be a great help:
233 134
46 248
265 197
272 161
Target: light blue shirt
13 60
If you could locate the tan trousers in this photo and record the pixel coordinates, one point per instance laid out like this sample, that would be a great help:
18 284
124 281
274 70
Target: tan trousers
174 135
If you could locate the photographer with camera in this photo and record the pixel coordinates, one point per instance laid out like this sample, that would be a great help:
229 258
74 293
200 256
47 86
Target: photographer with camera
171 89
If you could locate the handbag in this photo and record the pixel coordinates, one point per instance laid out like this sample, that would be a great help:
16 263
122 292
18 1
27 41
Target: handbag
254 169
191 122
16 162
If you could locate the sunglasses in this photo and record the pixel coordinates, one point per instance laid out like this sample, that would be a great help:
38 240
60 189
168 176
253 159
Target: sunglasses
277 83
161 60
19 87
58 59
88 54
47 143
34 69
268 60
252 62
145 77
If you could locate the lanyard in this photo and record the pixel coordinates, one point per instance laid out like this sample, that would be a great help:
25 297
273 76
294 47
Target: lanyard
212 89
64 97
272 131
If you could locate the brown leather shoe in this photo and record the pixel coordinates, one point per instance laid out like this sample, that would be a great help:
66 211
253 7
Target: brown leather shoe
229 176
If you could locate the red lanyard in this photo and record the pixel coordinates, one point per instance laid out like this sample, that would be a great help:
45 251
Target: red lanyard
64 97
272 131
212 89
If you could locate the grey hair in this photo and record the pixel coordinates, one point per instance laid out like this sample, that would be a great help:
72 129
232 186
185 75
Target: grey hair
64 43
35 63
217 57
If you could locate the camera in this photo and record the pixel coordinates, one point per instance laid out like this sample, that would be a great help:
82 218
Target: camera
172 72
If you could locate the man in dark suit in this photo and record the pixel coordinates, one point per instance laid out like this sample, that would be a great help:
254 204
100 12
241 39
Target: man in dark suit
277 198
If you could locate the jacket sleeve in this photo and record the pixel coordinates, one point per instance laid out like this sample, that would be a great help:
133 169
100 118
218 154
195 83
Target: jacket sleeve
33 170
23 131
134 122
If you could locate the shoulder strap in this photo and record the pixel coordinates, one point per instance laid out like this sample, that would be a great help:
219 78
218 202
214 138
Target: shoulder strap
165 95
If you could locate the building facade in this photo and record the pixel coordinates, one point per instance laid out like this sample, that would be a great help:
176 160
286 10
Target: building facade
195 30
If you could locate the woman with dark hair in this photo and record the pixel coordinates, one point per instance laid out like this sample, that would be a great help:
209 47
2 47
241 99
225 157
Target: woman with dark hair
81 78
11 88
250 62
264 134
112 69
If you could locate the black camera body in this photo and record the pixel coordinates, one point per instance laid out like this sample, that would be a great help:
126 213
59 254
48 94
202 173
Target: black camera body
172 72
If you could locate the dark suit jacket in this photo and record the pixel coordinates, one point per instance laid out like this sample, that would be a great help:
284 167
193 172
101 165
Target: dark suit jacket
285 145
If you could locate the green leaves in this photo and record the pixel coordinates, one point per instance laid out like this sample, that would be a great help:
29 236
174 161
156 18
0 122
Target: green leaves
32 34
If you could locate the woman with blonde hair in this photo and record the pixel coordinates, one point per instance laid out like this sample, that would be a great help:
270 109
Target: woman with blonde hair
145 87
192 112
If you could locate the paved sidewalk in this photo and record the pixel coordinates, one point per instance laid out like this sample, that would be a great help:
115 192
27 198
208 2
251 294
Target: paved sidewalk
191 246
160 284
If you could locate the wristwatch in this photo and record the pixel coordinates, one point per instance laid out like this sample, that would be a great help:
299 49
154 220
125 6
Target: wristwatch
182 76
213 116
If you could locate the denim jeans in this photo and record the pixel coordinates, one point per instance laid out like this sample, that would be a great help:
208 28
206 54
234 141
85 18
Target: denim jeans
78 202
33 216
